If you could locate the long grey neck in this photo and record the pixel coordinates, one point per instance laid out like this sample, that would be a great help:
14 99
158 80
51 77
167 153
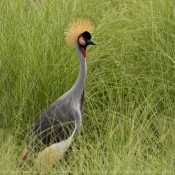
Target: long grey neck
75 93
78 87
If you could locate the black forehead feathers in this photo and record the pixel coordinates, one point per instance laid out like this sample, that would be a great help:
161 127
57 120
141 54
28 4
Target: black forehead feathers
86 35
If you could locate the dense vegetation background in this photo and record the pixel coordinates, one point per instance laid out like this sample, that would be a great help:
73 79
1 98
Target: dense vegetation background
129 119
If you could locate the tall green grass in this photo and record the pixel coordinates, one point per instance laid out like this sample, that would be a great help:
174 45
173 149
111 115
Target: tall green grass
129 119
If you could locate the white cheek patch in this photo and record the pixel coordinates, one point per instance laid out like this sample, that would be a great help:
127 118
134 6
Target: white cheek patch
81 41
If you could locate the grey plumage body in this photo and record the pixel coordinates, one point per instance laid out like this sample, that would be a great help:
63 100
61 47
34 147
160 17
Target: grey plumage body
57 122
52 133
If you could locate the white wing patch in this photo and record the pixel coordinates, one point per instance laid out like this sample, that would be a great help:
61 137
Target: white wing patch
61 147
50 155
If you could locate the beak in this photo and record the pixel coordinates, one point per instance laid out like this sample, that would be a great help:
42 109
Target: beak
90 42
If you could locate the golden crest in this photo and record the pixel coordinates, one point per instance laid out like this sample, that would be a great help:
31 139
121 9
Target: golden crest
75 28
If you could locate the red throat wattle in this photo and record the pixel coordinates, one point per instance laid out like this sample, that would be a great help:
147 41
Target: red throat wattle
84 52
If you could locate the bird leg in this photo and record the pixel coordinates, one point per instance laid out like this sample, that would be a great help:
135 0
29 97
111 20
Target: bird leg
25 159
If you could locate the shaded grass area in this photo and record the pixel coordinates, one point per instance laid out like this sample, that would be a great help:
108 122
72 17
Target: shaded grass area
128 123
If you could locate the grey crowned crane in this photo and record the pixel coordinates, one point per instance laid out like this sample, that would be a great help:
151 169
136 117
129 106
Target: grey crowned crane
52 132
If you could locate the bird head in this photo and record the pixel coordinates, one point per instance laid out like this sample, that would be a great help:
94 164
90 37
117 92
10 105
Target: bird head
84 40
79 32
